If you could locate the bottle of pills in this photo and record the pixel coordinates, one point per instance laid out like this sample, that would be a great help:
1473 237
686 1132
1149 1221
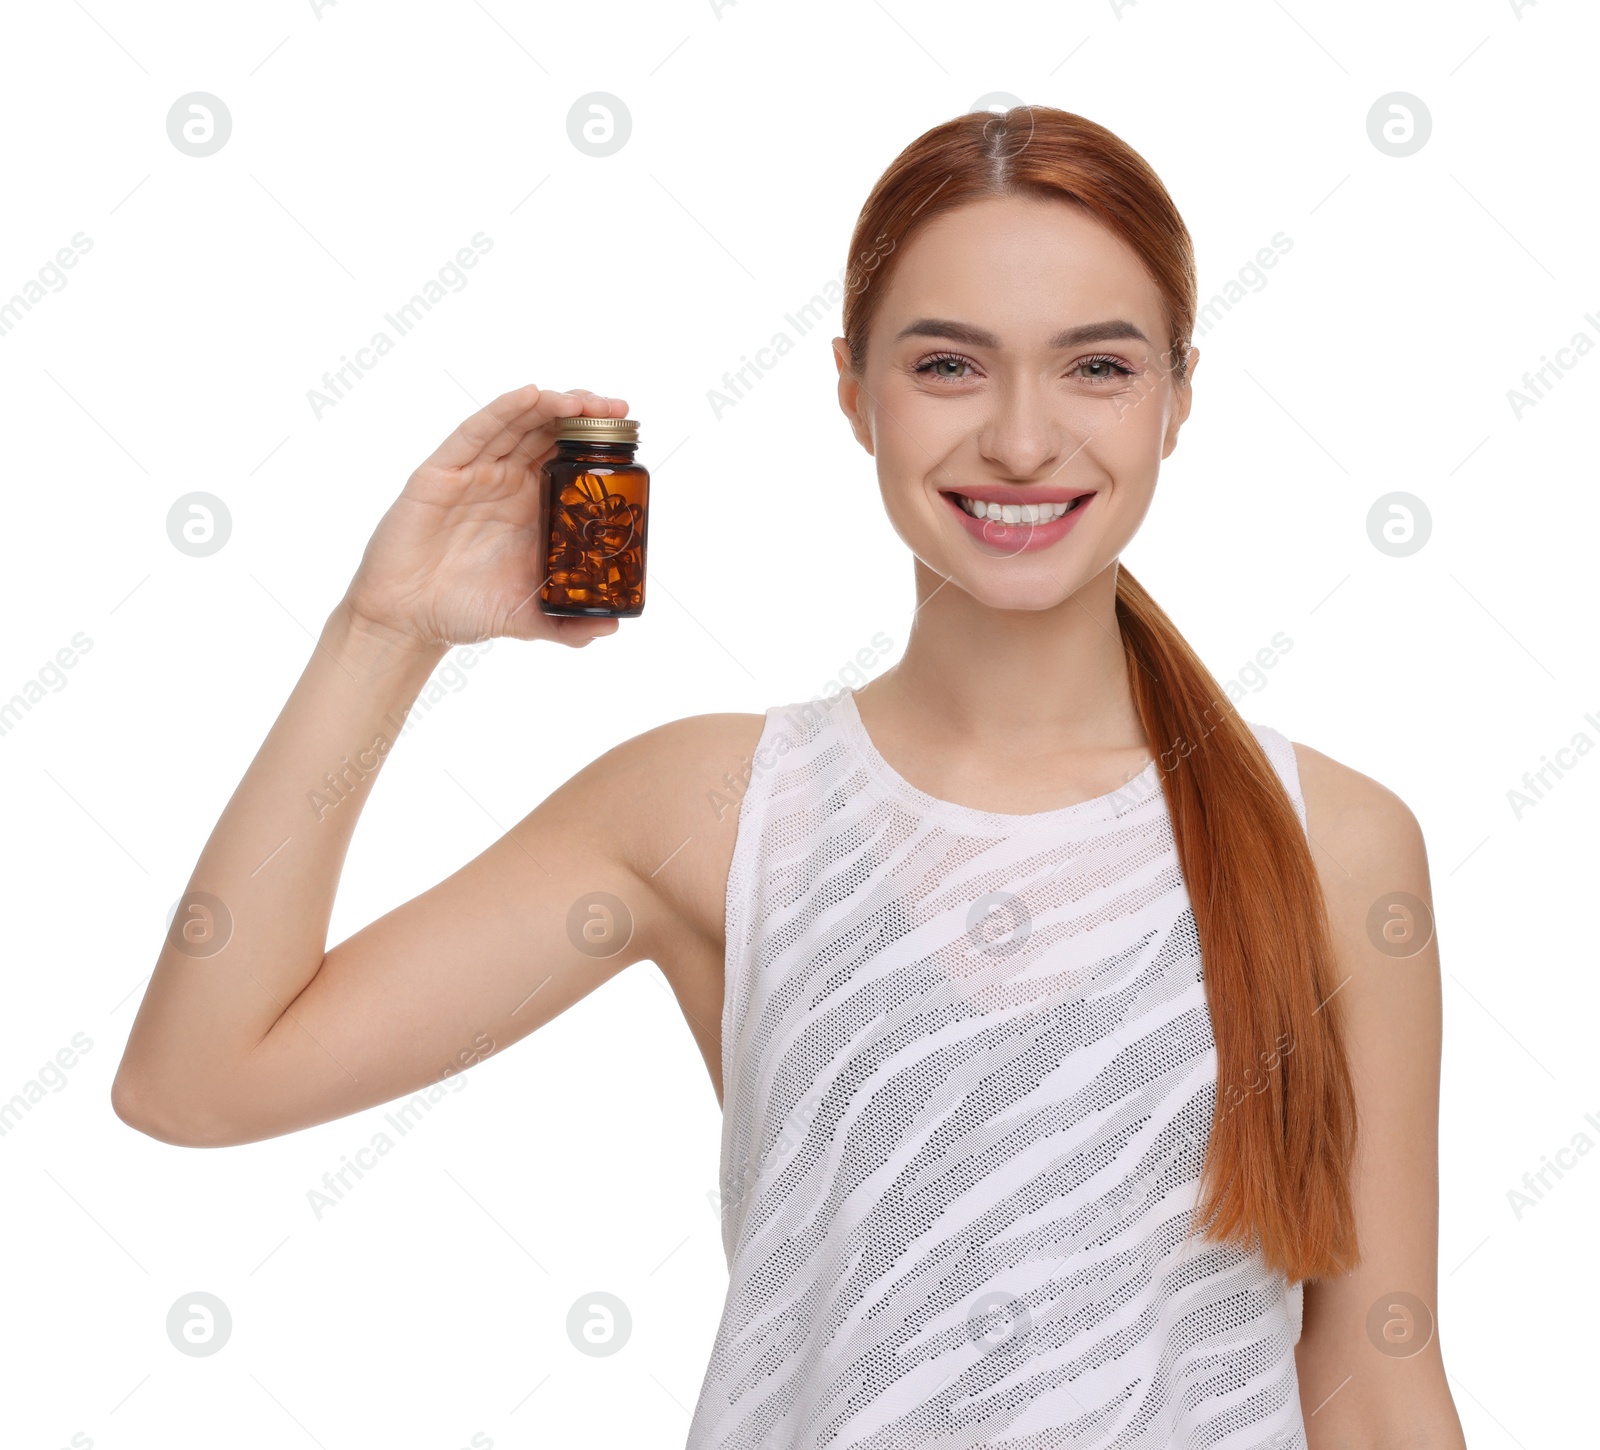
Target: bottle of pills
596 501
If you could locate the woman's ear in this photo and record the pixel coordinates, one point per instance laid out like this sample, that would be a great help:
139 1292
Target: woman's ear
1182 400
850 394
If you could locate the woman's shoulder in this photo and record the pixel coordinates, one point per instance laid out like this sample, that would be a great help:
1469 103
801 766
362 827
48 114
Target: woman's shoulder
669 763
1369 852
656 807
689 736
1345 803
1361 832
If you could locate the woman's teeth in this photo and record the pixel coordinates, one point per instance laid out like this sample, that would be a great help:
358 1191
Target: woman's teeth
1016 513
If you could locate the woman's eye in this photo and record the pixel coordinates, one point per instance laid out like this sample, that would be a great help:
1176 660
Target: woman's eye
1102 369
955 368
942 366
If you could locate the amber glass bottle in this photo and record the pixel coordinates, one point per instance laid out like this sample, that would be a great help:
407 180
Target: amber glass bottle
596 501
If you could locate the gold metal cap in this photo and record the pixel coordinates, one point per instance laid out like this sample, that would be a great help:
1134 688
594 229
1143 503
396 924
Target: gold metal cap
599 430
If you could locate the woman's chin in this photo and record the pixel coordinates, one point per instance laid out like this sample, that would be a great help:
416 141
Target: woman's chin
1012 585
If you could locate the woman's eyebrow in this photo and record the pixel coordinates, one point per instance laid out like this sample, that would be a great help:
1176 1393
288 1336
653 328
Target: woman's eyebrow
1115 330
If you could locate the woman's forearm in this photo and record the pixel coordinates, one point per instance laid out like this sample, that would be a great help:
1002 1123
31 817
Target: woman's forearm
238 955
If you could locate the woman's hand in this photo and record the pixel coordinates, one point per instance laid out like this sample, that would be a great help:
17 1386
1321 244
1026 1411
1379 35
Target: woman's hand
456 558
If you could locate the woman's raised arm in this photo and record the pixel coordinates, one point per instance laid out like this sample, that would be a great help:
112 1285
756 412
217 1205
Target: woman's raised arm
250 1027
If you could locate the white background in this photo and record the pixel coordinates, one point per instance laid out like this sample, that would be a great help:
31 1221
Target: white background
370 143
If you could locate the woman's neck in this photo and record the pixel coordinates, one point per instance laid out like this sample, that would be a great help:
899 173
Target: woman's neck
1012 680
1009 710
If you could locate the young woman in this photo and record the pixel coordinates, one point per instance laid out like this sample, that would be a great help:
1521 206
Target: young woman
1074 1090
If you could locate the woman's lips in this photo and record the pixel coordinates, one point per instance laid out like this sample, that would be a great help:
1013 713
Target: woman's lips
1020 538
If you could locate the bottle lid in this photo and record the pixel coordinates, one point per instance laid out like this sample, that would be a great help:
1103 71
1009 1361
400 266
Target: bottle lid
598 430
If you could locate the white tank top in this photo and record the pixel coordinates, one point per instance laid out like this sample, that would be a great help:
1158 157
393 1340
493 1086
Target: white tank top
968 1079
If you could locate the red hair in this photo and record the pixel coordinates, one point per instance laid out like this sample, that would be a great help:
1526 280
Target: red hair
1277 1164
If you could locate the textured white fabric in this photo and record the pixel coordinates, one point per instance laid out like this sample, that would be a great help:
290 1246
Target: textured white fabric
968 1080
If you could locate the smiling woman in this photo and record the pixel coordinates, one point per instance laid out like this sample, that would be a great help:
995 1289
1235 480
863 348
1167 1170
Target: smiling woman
1035 982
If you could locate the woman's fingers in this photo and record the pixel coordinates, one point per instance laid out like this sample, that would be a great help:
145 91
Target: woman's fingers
496 430
467 441
539 440
518 443
578 632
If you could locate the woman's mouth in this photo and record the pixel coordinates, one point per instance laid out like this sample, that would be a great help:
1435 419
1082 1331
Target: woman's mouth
1017 528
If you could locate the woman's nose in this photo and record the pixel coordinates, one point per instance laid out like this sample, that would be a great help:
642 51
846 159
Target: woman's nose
1024 436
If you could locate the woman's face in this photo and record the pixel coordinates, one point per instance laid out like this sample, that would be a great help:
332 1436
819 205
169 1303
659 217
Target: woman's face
1017 360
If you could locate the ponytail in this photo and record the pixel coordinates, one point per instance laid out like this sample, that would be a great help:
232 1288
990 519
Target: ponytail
1283 1129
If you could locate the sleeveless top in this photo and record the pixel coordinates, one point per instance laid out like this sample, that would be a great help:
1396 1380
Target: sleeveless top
968 1076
